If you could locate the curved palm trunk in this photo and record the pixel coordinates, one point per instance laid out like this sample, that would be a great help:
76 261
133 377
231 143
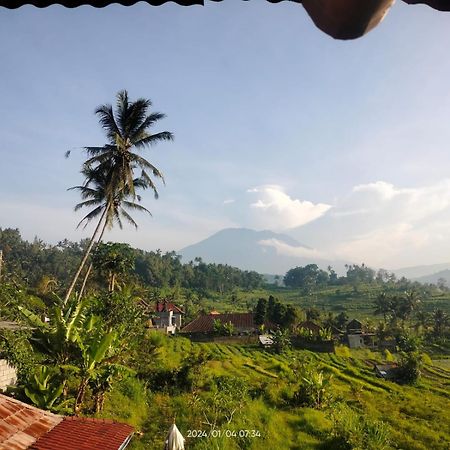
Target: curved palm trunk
85 257
88 272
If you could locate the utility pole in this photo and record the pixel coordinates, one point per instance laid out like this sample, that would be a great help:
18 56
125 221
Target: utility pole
1 263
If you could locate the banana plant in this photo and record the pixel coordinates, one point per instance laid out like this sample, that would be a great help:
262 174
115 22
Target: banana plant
97 348
57 339
44 388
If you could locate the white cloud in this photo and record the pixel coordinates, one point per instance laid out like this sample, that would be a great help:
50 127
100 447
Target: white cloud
288 250
386 225
275 209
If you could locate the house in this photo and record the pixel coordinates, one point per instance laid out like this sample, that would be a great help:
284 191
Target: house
167 316
362 340
357 337
387 371
310 326
243 323
354 327
23 427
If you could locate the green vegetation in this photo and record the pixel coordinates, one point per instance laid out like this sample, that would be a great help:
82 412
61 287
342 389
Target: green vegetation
84 347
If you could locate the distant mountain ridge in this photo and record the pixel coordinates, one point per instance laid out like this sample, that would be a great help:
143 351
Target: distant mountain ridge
421 272
251 250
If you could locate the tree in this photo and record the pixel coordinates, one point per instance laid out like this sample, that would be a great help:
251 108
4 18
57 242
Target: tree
113 259
127 131
312 314
440 321
97 346
307 277
260 311
409 369
382 305
95 193
281 340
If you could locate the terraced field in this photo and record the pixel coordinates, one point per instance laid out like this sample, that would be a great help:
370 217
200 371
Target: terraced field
418 417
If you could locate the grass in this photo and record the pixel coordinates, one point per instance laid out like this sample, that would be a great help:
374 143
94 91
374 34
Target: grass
418 417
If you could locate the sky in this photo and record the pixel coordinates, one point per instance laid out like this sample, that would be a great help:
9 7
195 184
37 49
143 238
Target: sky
344 145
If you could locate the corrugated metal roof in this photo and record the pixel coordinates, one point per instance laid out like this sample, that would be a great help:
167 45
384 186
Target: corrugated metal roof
442 5
22 424
341 19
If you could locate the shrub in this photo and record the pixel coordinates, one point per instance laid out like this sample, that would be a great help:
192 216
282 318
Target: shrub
353 431
409 369
314 389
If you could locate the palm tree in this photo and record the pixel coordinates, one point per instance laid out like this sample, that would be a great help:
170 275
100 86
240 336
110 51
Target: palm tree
382 305
111 208
127 128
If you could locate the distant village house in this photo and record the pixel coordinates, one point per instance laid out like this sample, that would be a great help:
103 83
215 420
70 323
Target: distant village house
359 338
243 323
166 317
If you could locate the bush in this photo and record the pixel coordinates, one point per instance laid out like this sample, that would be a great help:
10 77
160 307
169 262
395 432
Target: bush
314 389
353 431
409 369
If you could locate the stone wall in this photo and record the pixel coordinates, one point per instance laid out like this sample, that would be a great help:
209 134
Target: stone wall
8 375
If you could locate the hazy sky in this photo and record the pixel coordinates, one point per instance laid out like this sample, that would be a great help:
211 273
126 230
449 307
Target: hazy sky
344 145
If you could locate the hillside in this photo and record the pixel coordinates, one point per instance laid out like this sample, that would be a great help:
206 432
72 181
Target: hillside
422 272
413 417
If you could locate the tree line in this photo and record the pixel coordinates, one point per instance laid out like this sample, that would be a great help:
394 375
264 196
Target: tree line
44 266
311 277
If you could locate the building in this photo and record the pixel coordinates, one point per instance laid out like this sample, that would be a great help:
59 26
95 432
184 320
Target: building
23 427
243 323
8 375
310 326
362 340
166 317
357 337
354 327
387 371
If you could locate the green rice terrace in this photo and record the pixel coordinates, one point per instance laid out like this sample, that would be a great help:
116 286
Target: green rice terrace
361 411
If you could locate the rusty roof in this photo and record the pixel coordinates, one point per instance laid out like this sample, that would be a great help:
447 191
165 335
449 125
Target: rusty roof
22 424
205 323
80 433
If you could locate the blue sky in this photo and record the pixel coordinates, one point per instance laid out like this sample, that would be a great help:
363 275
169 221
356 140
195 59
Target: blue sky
276 124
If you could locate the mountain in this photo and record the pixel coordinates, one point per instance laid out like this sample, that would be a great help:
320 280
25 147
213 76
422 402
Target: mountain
433 278
254 250
421 272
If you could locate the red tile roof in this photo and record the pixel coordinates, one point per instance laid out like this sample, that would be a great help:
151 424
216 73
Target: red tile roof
205 323
22 424
78 433
164 306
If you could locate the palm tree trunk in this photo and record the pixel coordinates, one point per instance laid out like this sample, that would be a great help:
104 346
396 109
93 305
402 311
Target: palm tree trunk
88 272
85 257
